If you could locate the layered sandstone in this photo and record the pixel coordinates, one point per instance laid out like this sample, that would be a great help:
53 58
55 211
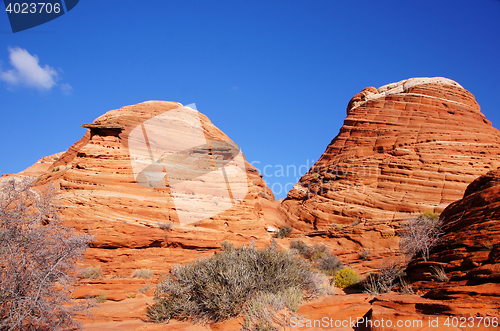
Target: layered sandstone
469 251
137 225
101 194
404 148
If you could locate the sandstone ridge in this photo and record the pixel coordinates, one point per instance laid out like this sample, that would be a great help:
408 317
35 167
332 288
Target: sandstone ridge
137 227
99 192
469 251
404 148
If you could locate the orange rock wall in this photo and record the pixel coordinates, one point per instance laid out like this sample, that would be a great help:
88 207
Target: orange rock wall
404 148
469 251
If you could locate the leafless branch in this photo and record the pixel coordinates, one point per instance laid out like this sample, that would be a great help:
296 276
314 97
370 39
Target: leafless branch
37 259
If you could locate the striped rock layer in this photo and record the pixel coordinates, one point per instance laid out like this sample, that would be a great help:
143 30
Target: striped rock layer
404 148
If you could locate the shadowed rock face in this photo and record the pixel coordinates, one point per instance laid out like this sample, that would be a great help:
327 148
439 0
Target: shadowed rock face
469 251
404 148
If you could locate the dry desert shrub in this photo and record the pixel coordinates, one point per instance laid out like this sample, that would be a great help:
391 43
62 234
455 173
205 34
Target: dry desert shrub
302 248
92 272
365 255
101 298
439 273
388 276
284 232
37 259
268 311
224 285
142 273
420 234
328 263
166 226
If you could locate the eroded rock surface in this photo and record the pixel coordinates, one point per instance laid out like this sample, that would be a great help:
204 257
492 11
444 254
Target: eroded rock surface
404 148
99 193
469 252
137 227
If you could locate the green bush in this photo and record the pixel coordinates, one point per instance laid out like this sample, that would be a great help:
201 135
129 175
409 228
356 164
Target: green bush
346 278
220 287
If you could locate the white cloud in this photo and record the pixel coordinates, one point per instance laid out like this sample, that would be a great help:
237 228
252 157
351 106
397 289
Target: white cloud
66 89
26 71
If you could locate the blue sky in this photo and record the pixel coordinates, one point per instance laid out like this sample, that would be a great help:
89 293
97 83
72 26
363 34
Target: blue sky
275 76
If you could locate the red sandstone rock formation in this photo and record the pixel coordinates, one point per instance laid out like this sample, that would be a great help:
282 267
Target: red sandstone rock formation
137 227
404 148
100 194
469 252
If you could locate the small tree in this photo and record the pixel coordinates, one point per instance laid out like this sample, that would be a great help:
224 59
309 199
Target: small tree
37 259
420 234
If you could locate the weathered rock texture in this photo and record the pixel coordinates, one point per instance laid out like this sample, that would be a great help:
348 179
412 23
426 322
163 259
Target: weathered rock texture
134 226
404 148
469 252
99 193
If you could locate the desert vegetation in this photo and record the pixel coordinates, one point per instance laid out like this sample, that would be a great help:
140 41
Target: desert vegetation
387 277
320 255
37 259
165 226
418 236
284 232
92 272
439 273
237 281
142 273
346 278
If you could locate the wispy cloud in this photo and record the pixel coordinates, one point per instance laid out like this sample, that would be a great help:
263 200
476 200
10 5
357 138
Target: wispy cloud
26 71
66 89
